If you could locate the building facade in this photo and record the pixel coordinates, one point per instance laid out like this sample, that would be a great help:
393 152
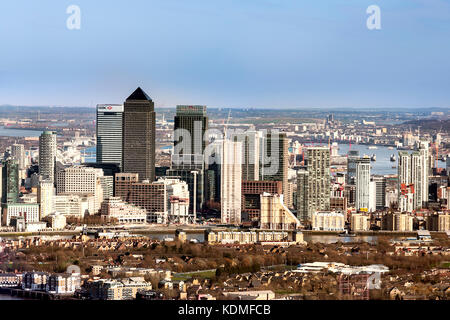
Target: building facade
138 143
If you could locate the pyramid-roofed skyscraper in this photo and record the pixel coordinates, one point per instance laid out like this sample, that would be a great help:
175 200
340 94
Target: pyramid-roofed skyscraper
139 135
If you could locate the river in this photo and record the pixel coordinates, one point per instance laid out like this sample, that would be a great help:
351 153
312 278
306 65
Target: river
19 132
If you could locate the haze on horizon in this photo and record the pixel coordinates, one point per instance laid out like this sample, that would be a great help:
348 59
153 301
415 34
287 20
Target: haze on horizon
227 53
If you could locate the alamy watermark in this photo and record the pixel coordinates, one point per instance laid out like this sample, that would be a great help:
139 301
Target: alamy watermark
73 22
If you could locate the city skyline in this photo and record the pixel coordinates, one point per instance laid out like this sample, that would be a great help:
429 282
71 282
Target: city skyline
274 54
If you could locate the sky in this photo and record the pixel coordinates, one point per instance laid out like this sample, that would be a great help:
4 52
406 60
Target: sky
226 53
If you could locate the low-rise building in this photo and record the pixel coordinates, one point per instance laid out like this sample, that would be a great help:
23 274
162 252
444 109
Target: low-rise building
116 208
63 283
328 221
56 221
36 281
123 289
30 212
359 222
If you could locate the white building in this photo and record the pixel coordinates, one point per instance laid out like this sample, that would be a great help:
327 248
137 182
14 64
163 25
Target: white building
231 180
30 212
328 221
362 201
79 180
56 221
359 222
115 208
45 197
63 283
74 205
410 181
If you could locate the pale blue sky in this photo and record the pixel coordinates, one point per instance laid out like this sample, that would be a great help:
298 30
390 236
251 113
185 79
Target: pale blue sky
227 53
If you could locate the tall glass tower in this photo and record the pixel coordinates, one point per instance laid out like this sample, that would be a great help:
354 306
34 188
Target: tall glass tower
109 133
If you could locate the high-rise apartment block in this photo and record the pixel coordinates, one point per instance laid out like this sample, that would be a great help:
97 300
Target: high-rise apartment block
314 186
410 177
231 182
274 159
47 155
363 184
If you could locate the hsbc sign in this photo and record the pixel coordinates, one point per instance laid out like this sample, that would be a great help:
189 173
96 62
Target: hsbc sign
110 107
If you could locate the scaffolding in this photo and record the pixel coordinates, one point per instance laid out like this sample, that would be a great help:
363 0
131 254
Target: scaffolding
354 286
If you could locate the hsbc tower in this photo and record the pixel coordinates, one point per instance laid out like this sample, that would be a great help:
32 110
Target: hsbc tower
109 133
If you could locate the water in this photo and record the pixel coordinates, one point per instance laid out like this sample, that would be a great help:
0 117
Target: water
19 132
383 165
8 297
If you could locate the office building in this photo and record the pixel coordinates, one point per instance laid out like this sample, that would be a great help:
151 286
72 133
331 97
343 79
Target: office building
251 197
47 155
74 206
79 180
138 143
115 208
29 211
190 125
231 182
109 133
10 181
165 200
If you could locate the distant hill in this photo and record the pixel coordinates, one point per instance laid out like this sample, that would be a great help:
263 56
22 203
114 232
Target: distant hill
431 124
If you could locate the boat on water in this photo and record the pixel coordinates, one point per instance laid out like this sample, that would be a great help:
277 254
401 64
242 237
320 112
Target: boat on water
373 147
347 234
373 157
393 158
391 148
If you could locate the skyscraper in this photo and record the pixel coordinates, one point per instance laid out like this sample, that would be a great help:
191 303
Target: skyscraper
231 183
363 184
318 188
274 159
47 155
18 153
380 185
10 181
191 120
302 194
410 175
250 154
425 155
352 157
138 143
45 197
109 133
190 125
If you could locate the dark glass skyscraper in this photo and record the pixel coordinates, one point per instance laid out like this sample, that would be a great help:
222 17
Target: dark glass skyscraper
138 143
